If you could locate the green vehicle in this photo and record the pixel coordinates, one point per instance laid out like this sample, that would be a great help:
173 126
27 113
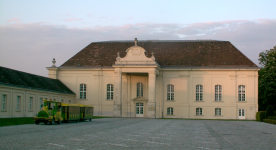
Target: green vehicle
56 112
51 113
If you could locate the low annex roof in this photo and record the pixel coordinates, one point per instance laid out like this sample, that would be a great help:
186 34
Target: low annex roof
10 77
168 53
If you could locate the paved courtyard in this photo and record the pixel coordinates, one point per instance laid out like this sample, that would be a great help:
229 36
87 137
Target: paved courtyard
131 133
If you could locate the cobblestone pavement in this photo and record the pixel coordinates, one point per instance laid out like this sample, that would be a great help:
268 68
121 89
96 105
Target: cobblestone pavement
131 133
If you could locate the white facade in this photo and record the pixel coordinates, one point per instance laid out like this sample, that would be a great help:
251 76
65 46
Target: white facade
136 86
23 102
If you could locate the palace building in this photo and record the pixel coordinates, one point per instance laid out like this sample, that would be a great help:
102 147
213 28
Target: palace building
163 79
203 79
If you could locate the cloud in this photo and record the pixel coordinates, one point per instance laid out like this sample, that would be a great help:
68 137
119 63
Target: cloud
31 47
13 20
72 19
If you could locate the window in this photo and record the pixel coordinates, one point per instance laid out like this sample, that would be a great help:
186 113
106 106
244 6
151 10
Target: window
4 101
169 111
241 112
18 101
198 111
170 92
109 94
54 99
139 89
218 89
31 104
82 91
241 93
199 92
61 100
69 101
41 103
218 112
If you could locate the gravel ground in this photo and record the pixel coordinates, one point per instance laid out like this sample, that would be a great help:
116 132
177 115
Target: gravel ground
131 133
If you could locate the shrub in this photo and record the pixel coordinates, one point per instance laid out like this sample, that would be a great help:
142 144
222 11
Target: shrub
270 121
260 115
272 117
269 111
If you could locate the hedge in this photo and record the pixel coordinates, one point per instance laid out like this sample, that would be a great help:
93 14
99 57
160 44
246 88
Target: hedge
272 117
270 121
260 115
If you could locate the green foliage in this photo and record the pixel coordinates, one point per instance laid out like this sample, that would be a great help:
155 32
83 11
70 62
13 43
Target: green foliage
270 121
267 79
15 121
272 117
260 115
269 111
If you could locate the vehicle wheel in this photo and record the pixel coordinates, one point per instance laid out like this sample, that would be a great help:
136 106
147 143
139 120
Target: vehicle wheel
36 122
59 122
89 119
76 121
52 122
45 122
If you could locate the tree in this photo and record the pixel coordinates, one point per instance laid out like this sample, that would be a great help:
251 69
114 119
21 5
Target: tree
267 78
269 111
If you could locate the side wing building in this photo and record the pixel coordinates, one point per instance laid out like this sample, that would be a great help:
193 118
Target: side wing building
163 79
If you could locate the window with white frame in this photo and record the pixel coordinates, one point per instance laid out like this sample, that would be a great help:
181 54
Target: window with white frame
218 90
109 94
218 111
31 104
241 93
170 92
61 100
140 89
169 111
18 103
4 101
199 92
198 111
82 91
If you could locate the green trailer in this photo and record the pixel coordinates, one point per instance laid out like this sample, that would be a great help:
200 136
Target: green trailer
86 112
70 112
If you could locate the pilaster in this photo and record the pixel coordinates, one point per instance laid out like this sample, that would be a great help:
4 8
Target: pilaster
52 72
152 94
118 90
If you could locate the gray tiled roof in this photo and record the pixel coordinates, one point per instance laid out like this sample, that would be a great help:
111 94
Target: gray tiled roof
10 77
168 53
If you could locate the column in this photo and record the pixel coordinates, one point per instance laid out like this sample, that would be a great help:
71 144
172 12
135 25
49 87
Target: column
151 94
118 91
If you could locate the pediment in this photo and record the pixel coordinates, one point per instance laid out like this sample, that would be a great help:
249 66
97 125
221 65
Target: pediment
140 98
135 56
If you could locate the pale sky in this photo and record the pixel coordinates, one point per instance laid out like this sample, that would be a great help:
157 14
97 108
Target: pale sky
32 33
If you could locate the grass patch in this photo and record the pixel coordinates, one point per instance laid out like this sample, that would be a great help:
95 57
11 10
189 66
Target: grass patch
26 120
16 121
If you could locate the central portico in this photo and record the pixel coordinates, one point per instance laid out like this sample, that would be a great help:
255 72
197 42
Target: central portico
135 84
